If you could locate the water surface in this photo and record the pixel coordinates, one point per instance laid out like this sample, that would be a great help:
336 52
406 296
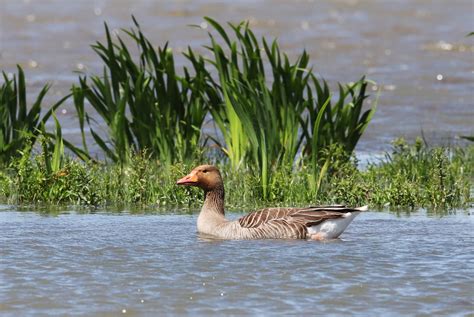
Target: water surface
119 263
417 51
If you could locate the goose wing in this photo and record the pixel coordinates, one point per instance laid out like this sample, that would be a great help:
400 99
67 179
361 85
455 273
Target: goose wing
307 216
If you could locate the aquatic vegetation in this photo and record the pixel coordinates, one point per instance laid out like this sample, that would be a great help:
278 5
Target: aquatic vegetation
411 176
34 181
284 138
469 138
5 186
417 175
261 103
268 110
145 103
20 124
272 113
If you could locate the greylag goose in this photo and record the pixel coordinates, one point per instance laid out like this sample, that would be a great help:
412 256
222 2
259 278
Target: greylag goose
318 223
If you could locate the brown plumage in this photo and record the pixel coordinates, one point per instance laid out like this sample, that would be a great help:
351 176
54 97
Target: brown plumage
322 222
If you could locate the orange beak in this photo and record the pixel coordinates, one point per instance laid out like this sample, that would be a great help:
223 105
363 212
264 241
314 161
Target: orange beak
190 179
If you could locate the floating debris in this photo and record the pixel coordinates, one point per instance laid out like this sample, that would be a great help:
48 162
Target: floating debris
445 46
439 77
31 18
33 63
252 21
448 47
305 25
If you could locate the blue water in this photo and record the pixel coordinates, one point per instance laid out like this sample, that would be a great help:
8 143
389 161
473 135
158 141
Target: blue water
149 264
416 51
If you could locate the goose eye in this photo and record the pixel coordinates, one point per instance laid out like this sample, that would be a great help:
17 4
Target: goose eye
204 171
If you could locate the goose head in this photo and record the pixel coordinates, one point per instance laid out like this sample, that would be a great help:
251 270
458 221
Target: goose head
206 177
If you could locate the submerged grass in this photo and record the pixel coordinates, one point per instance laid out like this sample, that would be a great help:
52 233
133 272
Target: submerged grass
409 177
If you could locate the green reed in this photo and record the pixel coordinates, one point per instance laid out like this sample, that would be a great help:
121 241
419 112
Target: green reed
269 110
144 102
19 123
409 177
272 111
414 173
288 139
260 122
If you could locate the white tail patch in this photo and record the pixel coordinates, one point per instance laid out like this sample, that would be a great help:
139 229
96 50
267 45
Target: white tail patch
363 208
332 228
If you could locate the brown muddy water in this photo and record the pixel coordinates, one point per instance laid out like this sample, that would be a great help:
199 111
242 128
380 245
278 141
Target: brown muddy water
417 51
114 264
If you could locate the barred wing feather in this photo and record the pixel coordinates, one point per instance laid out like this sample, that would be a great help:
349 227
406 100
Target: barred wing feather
308 216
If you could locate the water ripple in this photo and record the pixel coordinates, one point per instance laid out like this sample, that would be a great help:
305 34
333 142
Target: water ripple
108 264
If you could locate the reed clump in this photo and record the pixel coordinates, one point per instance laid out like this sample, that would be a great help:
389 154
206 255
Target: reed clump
143 101
20 124
270 112
283 137
276 114
411 176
